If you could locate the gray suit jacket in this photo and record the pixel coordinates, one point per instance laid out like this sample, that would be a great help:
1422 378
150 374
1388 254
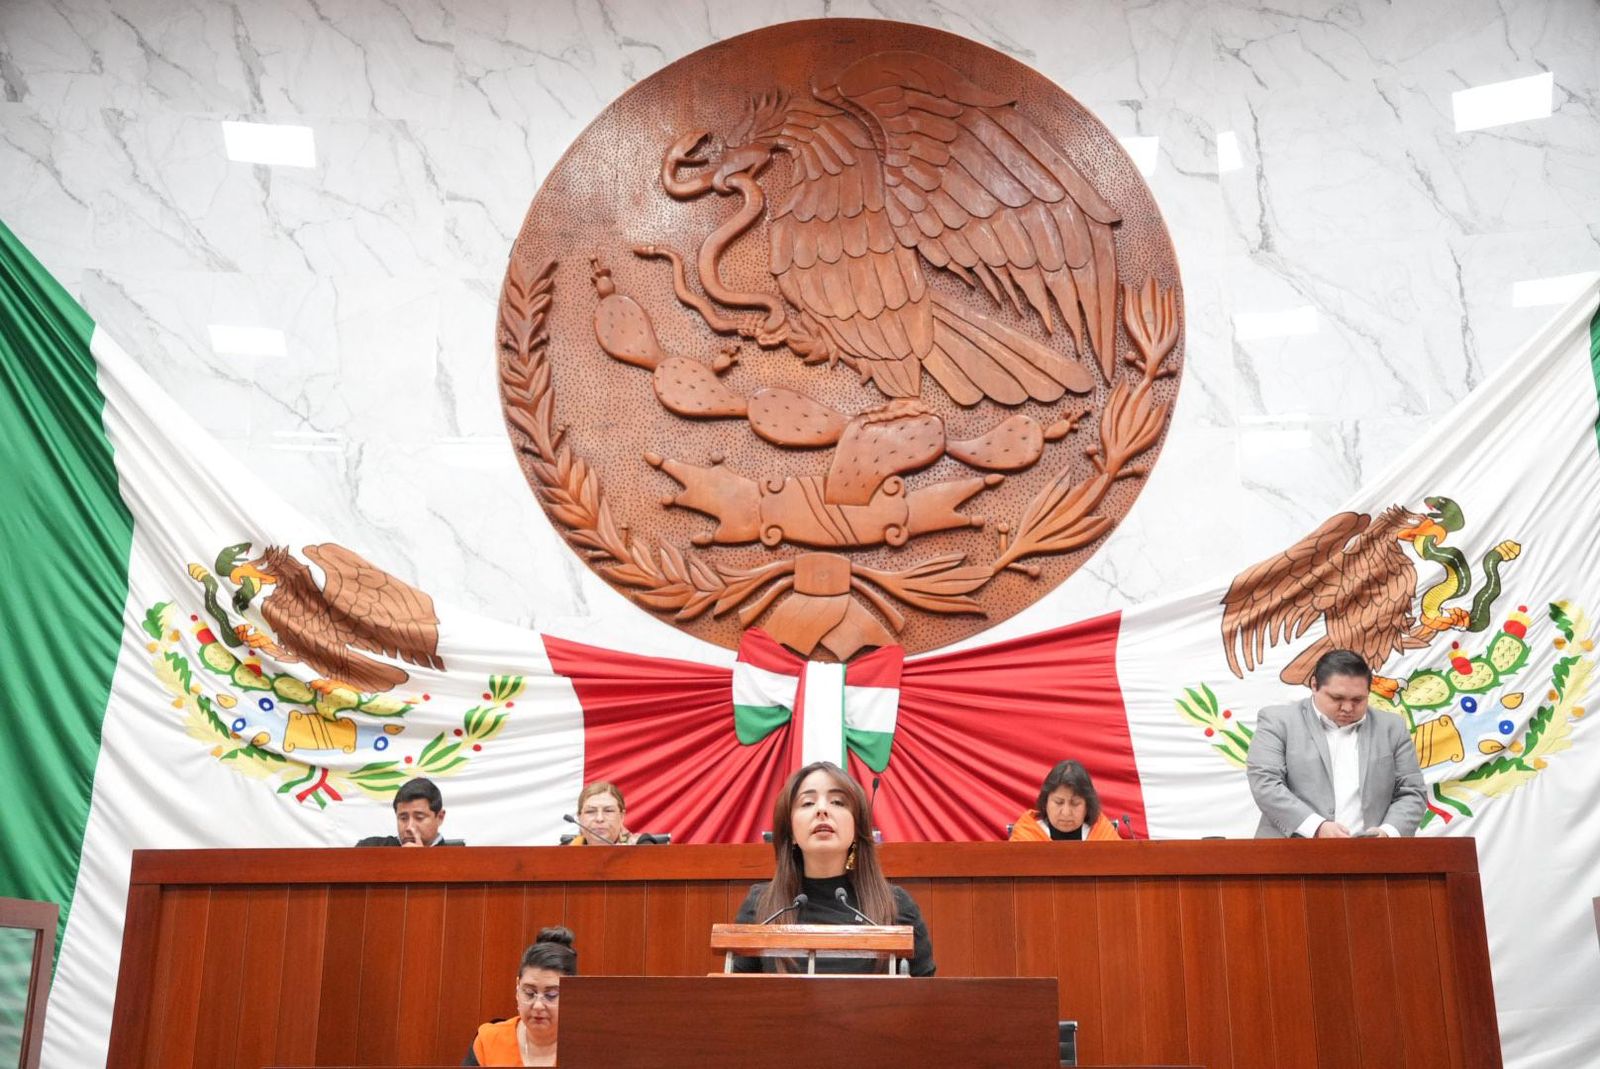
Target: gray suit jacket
1291 774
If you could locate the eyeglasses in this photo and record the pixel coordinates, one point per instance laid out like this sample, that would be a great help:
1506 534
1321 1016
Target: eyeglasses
524 995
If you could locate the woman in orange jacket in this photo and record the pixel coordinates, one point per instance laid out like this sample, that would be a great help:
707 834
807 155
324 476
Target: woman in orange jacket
1068 808
529 1038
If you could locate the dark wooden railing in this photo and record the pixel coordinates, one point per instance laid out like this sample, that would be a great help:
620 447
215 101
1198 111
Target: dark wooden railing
1216 953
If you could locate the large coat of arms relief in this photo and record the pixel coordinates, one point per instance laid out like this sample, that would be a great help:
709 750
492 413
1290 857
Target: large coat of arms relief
855 331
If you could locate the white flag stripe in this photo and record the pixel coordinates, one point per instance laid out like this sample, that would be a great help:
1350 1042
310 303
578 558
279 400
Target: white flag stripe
822 726
762 688
871 708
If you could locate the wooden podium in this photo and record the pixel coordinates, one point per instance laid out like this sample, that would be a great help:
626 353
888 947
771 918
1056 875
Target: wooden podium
807 1022
1239 954
889 944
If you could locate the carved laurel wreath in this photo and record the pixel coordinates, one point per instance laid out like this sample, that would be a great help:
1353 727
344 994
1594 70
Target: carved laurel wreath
1060 518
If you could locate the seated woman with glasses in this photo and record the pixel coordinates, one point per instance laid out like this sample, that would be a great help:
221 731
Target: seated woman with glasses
600 813
1068 808
822 834
529 1038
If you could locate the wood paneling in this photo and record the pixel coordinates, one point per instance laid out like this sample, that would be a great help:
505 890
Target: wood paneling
1289 965
1238 954
174 1023
1242 956
1162 998
1480 1030
220 997
377 1017
141 944
506 931
299 992
266 923
1205 973
422 958
338 998
461 973
771 1022
1378 977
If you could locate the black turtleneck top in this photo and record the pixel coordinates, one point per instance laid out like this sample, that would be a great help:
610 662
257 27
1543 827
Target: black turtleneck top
823 908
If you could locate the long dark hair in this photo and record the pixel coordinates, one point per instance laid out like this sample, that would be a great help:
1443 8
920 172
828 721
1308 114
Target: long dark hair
1075 778
873 895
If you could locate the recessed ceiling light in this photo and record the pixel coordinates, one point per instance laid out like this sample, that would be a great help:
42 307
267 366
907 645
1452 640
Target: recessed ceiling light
1498 103
1558 289
247 341
1228 158
265 142
1249 326
1145 151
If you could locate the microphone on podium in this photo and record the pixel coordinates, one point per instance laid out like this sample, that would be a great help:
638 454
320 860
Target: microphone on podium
799 901
872 819
1127 827
843 900
570 819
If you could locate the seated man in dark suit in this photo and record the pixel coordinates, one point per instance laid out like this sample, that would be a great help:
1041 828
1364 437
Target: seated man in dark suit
1325 767
418 813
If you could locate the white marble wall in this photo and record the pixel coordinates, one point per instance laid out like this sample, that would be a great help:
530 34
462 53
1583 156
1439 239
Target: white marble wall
435 122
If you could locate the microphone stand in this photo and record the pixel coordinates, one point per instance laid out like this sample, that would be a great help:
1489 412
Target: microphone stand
844 900
799 901
570 819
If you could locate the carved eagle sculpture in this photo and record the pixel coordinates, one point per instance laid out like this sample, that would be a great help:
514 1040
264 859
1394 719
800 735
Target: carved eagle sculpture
1352 573
359 607
901 162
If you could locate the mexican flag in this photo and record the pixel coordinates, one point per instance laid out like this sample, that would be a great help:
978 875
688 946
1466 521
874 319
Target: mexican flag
188 662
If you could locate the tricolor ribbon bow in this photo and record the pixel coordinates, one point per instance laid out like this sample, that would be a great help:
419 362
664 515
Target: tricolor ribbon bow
833 707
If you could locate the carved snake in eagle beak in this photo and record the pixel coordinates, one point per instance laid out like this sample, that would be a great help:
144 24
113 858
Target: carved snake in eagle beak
735 172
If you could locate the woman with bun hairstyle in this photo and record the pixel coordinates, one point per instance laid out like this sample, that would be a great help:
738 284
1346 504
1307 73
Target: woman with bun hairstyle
822 834
529 1038
1068 808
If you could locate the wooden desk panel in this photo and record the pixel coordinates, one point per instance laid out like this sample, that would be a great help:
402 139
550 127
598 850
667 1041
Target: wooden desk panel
1220 953
793 1022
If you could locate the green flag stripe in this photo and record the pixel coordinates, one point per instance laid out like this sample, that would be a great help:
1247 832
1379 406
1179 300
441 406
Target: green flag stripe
873 747
752 723
65 535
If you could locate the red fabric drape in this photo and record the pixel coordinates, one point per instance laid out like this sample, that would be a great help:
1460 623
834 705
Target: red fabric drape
980 728
662 730
977 731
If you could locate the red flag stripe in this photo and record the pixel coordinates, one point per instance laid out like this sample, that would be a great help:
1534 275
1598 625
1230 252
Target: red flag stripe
977 731
761 650
880 668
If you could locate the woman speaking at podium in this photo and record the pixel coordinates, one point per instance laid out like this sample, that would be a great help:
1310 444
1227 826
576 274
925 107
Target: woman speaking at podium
822 835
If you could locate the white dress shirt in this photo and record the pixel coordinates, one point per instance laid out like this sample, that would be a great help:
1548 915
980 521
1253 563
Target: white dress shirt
1344 753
